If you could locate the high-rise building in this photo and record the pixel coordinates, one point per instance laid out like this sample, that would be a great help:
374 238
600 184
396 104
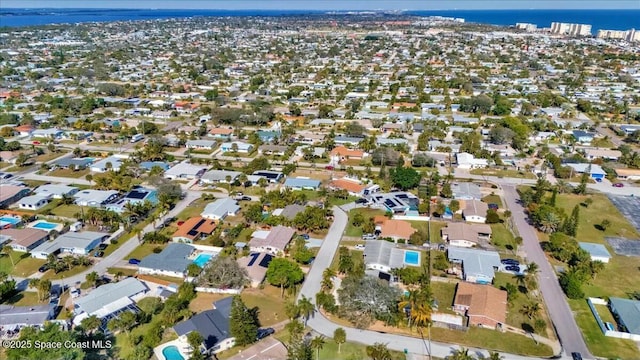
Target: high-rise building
527 26
628 35
571 29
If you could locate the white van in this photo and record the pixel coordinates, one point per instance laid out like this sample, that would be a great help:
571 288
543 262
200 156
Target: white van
74 292
136 138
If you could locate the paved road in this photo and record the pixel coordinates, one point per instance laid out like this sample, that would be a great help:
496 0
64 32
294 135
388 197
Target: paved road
325 327
554 298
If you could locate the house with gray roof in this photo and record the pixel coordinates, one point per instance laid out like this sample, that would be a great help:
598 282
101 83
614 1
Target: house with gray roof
478 266
77 163
95 198
185 170
34 202
466 191
383 256
301 184
213 325
598 252
628 313
109 300
56 191
110 163
75 243
201 144
172 261
219 176
13 317
220 209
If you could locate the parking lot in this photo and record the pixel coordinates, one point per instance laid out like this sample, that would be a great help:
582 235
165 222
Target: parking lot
629 206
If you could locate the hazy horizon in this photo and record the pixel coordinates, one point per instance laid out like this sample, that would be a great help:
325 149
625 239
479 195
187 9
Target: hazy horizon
326 5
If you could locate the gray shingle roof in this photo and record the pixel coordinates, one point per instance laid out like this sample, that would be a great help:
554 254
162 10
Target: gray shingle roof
173 258
109 293
629 313
213 325
384 253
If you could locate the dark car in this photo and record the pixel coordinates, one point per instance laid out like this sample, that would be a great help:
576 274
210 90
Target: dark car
99 254
134 261
102 246
245 198
576 356
305 236
43 268
512 268
618 185
510 262
361 201
493 206
263 333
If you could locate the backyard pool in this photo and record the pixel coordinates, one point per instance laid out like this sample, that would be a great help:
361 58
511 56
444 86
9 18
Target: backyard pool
172 353
43 225
202 259
9 220
412 258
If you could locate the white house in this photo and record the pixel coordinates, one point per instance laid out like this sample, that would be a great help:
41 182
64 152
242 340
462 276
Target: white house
34 202
172 261
475 211
242 147
468 161
220 209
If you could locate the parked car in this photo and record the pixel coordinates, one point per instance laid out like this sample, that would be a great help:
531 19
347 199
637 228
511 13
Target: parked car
329 167
43 268
369 237
510 262
102 246
512 268
361 201
134 261
245 198
99 253
618 185
75 292
263 333
305 236
493 206
359 246
576 356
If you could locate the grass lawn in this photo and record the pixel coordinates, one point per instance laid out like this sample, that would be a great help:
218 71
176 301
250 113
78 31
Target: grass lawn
444 293
126 347
502 238
339 202
493 340
504 173
27 266
598 344
367 213
194 209
269 302
436 226
25 298
143 250
69 173
51 275
126 272
68 211
33 183
493 199
349 350
49 156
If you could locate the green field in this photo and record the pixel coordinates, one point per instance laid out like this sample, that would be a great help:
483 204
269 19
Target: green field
367 213
504 173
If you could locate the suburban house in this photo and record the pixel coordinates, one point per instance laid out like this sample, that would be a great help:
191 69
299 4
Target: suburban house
475 211
242 147
256 265
137 195
212 325
383 256
484 306
12 317
465 235
75 163
221 133
627 312
396 202
478 266
268 149
628 174
24 240
185 170
172 261
219 176
76 243
56 191
95 198
108 301
340 153
196 228
289 211
273 241
597 252
220 209
595 171
466 191
592 154
270 175
582 137
468 161
353 187
394 229
9 194
201 144
111 163
34 202
301 184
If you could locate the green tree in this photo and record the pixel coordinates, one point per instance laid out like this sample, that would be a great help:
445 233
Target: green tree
358 220
404 177
49 334
461 354
340 337
378 351
284 273
604 225
317 343
243 322
91 323
299 251
92 278
307 309
194 339
571 284
530 310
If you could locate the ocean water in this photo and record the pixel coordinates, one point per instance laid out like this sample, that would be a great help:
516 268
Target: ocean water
599 19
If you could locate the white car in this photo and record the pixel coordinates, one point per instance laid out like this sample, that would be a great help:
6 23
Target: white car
359 247
74 292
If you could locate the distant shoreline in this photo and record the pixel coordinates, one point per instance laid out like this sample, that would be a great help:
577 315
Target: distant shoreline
599 19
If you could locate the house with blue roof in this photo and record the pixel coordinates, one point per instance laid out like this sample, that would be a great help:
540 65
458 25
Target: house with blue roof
598 252
302 184
595 171
148 165
213 325
478 266
267 136
582 137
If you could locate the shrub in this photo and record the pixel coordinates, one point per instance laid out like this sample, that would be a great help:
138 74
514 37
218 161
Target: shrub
571 285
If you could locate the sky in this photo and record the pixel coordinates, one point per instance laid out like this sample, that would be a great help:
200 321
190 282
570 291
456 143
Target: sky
326 4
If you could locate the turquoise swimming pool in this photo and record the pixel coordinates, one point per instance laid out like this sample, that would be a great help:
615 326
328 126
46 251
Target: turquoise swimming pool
412 257
202 259
10 219
171 352
45 225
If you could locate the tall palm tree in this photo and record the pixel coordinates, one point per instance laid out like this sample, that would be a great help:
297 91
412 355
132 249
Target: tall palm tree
90 324
306 308
35 283
530 310
530 275
461 354
494 355
318 343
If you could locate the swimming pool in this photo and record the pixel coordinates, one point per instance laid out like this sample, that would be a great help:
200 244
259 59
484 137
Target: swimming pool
202 259
10 219
171 352
44 225
412 257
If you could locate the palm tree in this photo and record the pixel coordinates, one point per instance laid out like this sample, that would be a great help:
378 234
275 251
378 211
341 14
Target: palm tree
35 283
460 354
530 310
91 323
327 276
92 278
306 308
7 250
530 277
340 337
493 355
317 343
292 310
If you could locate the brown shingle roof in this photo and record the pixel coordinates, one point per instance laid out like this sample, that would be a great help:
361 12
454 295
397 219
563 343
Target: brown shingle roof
195 227
482 300
25 237
350 186
394 228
